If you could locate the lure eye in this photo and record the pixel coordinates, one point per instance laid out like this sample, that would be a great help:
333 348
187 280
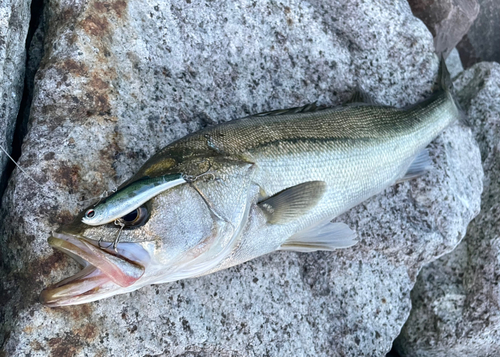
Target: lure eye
136 218
90 213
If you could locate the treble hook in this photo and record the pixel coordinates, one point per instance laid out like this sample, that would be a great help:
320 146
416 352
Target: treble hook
190 178
191 182
208 203
117 222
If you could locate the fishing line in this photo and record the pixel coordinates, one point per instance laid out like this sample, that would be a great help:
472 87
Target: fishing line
19 167
99 198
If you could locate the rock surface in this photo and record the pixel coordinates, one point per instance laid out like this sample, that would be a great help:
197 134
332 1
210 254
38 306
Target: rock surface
454 64
447 20
34 57
482 42
14 23
456 299
119 80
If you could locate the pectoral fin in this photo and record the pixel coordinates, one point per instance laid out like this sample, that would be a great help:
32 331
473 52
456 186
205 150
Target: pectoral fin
292 202
323 236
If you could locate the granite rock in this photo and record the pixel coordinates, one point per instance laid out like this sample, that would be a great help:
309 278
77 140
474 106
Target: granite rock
482 42
34 57
454 64
121 79
455 301
447 20
14 23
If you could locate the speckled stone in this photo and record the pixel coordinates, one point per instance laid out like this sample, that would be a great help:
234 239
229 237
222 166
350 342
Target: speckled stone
14 23
482 41
447 20
454 64
456 299
121 79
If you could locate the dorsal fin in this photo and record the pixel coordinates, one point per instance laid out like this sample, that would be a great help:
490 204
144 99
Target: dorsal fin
361 97
443 81
308 108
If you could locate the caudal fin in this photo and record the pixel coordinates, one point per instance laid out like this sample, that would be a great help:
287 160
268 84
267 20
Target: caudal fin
444 79
445 84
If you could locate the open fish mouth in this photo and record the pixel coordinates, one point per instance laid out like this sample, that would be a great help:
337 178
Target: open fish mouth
105 272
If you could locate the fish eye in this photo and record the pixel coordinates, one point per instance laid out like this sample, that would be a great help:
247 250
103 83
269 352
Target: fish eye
132 216
136 218
90 213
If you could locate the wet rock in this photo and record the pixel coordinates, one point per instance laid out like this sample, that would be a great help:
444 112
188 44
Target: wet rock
455 301
482 42
447 20
14 23
119 80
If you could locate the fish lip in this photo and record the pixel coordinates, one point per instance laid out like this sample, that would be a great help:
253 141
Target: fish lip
102 268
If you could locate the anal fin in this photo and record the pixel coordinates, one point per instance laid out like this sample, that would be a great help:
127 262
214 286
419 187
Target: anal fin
420 165
323 236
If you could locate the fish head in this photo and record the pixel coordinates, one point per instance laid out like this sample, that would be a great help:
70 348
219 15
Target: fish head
185 231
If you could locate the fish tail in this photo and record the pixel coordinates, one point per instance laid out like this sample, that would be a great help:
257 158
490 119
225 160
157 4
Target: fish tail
444 80
445 84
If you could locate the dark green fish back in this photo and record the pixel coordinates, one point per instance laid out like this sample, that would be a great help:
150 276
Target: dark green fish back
240 138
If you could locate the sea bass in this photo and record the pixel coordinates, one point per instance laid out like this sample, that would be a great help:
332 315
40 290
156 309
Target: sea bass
245 188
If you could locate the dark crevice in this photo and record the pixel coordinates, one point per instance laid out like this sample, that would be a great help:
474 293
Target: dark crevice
393 352
32 63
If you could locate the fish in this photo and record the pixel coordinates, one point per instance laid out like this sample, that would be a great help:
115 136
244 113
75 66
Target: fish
245 188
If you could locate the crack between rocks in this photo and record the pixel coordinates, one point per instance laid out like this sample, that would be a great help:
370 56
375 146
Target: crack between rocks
25 106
